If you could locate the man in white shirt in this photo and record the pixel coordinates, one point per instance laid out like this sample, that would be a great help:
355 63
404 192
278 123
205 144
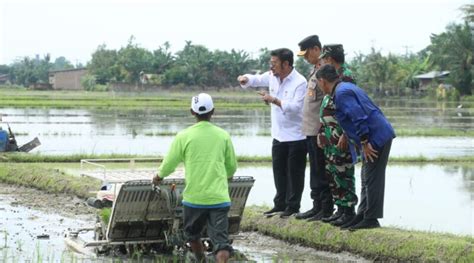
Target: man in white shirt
287 91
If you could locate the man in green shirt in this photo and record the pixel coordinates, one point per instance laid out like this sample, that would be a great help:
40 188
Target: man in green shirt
209 162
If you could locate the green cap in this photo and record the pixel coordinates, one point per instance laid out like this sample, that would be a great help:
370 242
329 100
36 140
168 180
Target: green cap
332 50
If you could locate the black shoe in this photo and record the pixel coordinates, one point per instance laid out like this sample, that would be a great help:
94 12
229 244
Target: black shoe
335 216
310 213
320 215
346 217
366 223
357 218
288 212
273 211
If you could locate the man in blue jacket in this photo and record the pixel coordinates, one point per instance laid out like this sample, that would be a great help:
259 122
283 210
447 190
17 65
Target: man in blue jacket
370 134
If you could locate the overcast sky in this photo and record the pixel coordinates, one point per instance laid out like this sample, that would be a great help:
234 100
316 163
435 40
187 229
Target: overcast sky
74 29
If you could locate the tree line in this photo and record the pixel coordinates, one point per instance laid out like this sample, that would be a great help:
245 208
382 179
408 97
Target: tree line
197 66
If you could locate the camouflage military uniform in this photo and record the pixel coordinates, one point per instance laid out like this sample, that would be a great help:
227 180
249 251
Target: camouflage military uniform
339 167
346 74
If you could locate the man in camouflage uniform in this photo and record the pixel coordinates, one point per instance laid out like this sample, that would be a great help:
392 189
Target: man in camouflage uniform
331 138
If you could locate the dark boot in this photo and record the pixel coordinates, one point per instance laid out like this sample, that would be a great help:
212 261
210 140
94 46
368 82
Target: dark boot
273 211
288 212
347 216
310 213
357 218
327 208
335 216
366 223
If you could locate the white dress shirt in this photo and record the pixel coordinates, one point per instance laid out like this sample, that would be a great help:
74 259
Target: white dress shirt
287 120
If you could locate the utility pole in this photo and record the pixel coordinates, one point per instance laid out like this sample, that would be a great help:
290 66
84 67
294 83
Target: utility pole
406 50
372 41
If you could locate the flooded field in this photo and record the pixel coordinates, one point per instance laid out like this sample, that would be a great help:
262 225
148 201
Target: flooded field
435 198
417 196
33 226
150 132
432 197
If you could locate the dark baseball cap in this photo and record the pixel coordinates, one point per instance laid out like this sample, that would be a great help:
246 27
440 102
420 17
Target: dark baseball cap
308 42
332 50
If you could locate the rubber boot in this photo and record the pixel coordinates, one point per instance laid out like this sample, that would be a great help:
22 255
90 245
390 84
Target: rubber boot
335 216
327 208
347 216
311 212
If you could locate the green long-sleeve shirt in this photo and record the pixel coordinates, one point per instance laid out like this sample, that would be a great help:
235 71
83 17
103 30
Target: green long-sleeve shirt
209 160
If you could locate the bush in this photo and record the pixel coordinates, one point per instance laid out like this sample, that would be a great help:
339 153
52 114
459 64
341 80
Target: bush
88 82
453 94
179 87
469 98
99 87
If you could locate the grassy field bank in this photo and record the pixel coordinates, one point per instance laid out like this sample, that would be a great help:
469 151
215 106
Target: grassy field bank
20 98
50 180
402 132
380 244
383 244
76 158
126 101
236 98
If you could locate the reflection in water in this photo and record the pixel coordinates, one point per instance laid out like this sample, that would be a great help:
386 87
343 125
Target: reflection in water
117 131
124 131
31 235
426 197
244 145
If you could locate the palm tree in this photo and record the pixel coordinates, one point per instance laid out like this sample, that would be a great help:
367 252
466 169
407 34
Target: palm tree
453 50
468 11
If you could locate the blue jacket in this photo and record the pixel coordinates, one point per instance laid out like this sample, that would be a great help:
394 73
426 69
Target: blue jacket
360 118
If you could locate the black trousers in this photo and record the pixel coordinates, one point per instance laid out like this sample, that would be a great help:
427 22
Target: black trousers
289 164
373 184
318 181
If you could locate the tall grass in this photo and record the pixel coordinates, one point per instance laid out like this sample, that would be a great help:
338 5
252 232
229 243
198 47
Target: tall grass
380 244
47 179
383 244
82 99
434 132
76 158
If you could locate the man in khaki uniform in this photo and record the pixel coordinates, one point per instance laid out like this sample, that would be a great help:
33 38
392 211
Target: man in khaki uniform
320 192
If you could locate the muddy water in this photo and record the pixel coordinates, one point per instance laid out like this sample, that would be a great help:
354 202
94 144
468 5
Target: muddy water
417 196
142 131
33 226
438 198
266 249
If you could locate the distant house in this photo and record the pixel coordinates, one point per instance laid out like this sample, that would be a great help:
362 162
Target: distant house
431 78
67 79
4 78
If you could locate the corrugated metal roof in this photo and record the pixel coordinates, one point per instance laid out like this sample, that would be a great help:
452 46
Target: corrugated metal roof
432 75
64 70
